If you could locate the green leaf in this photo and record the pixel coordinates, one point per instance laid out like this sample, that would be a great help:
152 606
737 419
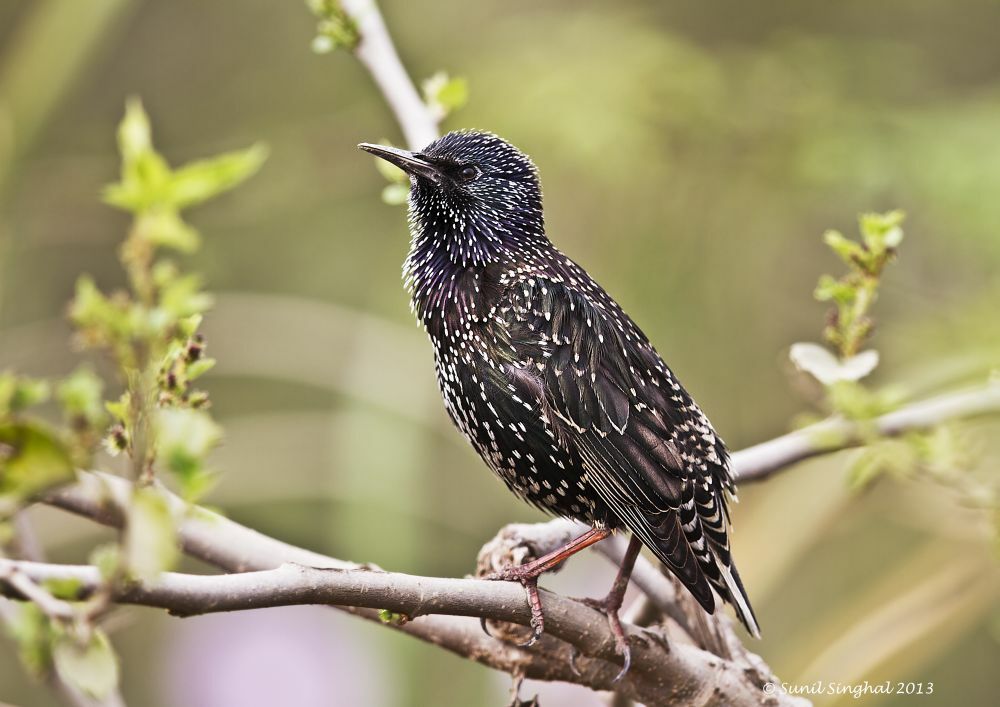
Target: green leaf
199 367
8 384
101 321
19 392
454 94
444 95
335 28
152 190
866 469
199 181
150 535
897 457
392 618
323 44
81 396
185 437
119 409
944 450
837 290
396 194
183 297
32 630
32 459
107 559
854 401
849 251
68 588
881 231
163 226
30 391
134 133
189 325
145 174
91 666
197 483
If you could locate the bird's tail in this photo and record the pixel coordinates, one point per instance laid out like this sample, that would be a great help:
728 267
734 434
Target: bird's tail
738 598
697 564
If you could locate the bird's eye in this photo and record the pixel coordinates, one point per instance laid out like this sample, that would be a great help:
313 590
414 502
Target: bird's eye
468 173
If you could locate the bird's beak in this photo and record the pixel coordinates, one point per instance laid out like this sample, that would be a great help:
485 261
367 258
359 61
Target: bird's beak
410 162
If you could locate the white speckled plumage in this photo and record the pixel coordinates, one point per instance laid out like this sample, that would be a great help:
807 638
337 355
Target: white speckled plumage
552 383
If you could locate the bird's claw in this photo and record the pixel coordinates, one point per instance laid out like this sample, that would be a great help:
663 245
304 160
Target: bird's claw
574 654
537 618
610 609
528 580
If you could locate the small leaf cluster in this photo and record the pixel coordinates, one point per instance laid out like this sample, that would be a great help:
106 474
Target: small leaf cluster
392 618
81 654
853 294
336 29
841 364
152 330
445 94
36 455
943 455
940 454
160 421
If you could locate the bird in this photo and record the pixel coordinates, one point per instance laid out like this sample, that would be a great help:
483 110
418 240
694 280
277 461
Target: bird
553 384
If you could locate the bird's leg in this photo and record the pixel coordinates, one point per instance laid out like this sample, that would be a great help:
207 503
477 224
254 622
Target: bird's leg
612 604
528 573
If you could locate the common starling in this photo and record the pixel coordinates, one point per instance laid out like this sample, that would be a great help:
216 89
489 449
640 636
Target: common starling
552 383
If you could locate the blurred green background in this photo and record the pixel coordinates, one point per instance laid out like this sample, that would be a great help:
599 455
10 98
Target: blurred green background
691 154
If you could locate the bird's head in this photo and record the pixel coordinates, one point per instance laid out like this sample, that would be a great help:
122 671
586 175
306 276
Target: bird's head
472 193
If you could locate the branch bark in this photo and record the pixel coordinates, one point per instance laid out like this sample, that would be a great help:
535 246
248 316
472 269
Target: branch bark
760 461
662 673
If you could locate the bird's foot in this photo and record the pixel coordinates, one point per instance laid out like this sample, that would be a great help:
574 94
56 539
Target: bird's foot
528 578
610 606
528 574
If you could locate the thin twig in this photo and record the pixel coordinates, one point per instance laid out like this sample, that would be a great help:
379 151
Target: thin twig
760 461
26 587
378 55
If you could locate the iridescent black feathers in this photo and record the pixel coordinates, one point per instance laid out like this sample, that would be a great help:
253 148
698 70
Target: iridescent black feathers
552 383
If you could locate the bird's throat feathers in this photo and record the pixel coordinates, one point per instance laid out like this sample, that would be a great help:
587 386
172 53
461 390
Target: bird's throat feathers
457 235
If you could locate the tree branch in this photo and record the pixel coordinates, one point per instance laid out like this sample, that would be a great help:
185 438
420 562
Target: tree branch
235 548
760 461
27 587
378 55
677 674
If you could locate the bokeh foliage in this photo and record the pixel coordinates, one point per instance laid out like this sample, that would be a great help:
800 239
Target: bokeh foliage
691 154
159 422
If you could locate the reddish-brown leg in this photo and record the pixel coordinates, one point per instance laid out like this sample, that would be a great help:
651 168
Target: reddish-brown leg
527 574
612 604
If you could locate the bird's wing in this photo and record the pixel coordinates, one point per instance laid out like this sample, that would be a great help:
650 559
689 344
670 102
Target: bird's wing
647 449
